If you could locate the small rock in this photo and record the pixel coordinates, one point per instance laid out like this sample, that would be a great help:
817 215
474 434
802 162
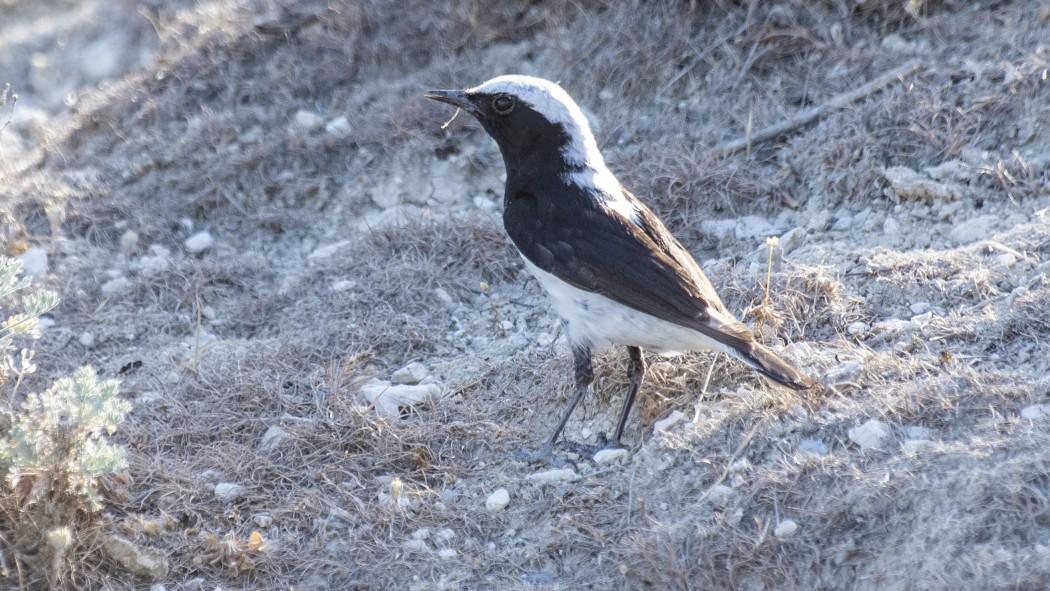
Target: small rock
34 263
344 285
415 547
157 587
228 491
498 500
555 475
1036 412
272 438
115 287
813 446
87 339
388 398
263 520
411 374
895 326
326 252
338 127
608 456
785 529
307 121
857 329
914 446
890 226
420 534
140 561
442 295
920 307
871 435
791 240
665 424
199 242
447 553
973 229
842 224
720 494
445 534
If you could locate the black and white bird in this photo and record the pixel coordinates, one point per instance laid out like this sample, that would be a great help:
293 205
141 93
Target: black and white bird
614 273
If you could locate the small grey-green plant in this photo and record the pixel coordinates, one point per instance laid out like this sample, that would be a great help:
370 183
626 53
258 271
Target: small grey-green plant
19 329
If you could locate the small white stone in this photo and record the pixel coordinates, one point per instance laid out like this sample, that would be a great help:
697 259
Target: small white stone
665 424
344 285
272 438
338 127
1036 412
263 520
115 287
856 329
720 494
871 435
420 534
157 587
608 456
498 500
34 262
389 398
326 252
914 446
442 295
447 553
414 547
308 121
555 475
228 491
87 339
785 529
445 534
199 242
920 307
411 374
813 446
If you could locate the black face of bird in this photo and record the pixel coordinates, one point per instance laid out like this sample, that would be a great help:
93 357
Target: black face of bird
523 134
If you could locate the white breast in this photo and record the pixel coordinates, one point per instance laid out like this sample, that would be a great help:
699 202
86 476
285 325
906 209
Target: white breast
596 321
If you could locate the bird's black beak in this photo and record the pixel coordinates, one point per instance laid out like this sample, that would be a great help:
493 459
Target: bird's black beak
456 98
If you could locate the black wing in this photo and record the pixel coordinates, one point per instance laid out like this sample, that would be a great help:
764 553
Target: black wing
573 235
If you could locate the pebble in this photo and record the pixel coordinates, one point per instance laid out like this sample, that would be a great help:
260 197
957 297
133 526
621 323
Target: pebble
555 475
842 224
914 446
34 263
442 295
389 398
87 339
608 456
308 121
973 229
720 494
447 553
325 252
1036 412
411 374
920 307
199 242
272 438
115 287
445 534
785 529
813 446
665 424
338 127
414 546
263 520
857 329
498 500
155 262
871 435
228 491
420 534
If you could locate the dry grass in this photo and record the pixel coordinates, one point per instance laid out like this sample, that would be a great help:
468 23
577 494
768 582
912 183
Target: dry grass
217 349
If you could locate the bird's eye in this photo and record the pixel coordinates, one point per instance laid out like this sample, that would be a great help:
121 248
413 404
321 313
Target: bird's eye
503 104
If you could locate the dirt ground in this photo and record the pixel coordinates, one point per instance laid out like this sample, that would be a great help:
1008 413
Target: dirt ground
256 223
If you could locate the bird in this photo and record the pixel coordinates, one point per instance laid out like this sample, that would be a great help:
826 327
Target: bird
611 269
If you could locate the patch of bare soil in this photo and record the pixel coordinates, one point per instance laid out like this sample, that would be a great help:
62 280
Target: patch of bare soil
254 220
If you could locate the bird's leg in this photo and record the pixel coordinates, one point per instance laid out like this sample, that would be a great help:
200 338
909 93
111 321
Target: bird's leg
635 374
581 357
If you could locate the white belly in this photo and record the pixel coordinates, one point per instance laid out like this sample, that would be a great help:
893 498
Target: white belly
596 321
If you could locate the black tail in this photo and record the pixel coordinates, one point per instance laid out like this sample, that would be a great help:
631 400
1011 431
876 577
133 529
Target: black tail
775 368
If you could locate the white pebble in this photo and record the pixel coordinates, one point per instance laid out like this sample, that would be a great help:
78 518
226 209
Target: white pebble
228 491
785 529
447 553
411 374
555 475
34 263
498 500
389 398
414 546
338 127
263 520
856 329
308 121
326 252
115 287
1036 412
665 424
445 534
272 438
608 456
720 494
914 446
87 339
871 435
199 242
420 534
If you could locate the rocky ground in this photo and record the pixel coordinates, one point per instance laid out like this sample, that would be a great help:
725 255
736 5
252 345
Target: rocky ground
257 224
